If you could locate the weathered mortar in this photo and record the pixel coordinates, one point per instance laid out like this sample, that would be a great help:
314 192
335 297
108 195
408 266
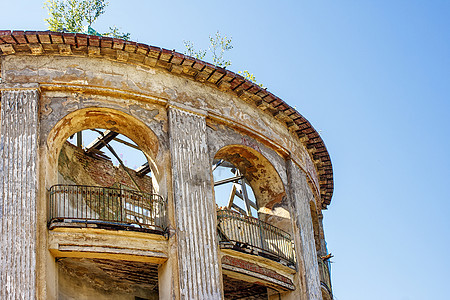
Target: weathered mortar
165 87
181 122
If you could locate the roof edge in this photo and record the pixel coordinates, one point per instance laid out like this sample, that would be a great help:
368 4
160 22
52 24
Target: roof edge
43 42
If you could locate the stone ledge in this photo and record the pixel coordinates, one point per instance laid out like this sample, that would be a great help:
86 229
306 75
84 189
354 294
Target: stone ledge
108 244
253 268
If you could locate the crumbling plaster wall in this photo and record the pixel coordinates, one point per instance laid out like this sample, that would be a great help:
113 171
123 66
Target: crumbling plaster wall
160 86
76 167
69 84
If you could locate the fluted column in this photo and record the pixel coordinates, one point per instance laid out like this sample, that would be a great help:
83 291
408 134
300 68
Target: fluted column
198 260
18 179
301 195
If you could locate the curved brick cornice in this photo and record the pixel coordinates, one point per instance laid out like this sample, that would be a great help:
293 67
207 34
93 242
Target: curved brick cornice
47 42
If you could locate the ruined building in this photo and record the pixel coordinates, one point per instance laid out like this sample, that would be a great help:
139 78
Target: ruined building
226 204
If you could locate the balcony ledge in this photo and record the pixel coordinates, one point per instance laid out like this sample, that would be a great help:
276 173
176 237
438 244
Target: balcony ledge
252 268
108 244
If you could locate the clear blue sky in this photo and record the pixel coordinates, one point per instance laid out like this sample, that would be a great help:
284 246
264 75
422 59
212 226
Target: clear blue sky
374 78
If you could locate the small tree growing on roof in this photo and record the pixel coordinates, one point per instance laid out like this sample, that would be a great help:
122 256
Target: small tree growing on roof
218 45
78 16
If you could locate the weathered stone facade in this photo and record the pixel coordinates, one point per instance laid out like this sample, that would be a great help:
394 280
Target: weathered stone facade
184 114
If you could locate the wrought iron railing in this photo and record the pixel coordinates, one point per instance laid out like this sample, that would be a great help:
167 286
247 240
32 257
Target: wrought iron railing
325 277
248 233
109 206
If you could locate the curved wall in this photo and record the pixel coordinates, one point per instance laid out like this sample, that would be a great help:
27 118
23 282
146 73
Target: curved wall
181 125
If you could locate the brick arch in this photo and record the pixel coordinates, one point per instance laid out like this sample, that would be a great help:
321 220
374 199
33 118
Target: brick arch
105 118
265 181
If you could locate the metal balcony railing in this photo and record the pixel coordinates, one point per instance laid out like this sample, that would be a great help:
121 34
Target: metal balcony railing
248 233
108 206
324 270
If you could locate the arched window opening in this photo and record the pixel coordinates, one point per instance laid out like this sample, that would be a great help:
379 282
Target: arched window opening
110 148
248 193
232 189
104 179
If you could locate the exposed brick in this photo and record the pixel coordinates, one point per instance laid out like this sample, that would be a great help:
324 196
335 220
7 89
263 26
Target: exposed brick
19 36
103 172
262 93
237 81
300 120
118 44
94 41
106 42
31 37
46 41
82 40
166 55
209 67
177 69
130 47
269 98
177 58
69 38
7 37
136 58
163 64
216 76
308 130
283 106
44 37
154 52
150 61
313 134
56 38
276 102
254 89
188 61
198 65
244 86
205 73
226 79
142 48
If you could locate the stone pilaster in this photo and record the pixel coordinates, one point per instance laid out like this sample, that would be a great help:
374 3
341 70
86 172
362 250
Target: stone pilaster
18 194
199 267
300 194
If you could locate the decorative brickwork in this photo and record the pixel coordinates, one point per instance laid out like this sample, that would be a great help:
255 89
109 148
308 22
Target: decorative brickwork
187 117
47 42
